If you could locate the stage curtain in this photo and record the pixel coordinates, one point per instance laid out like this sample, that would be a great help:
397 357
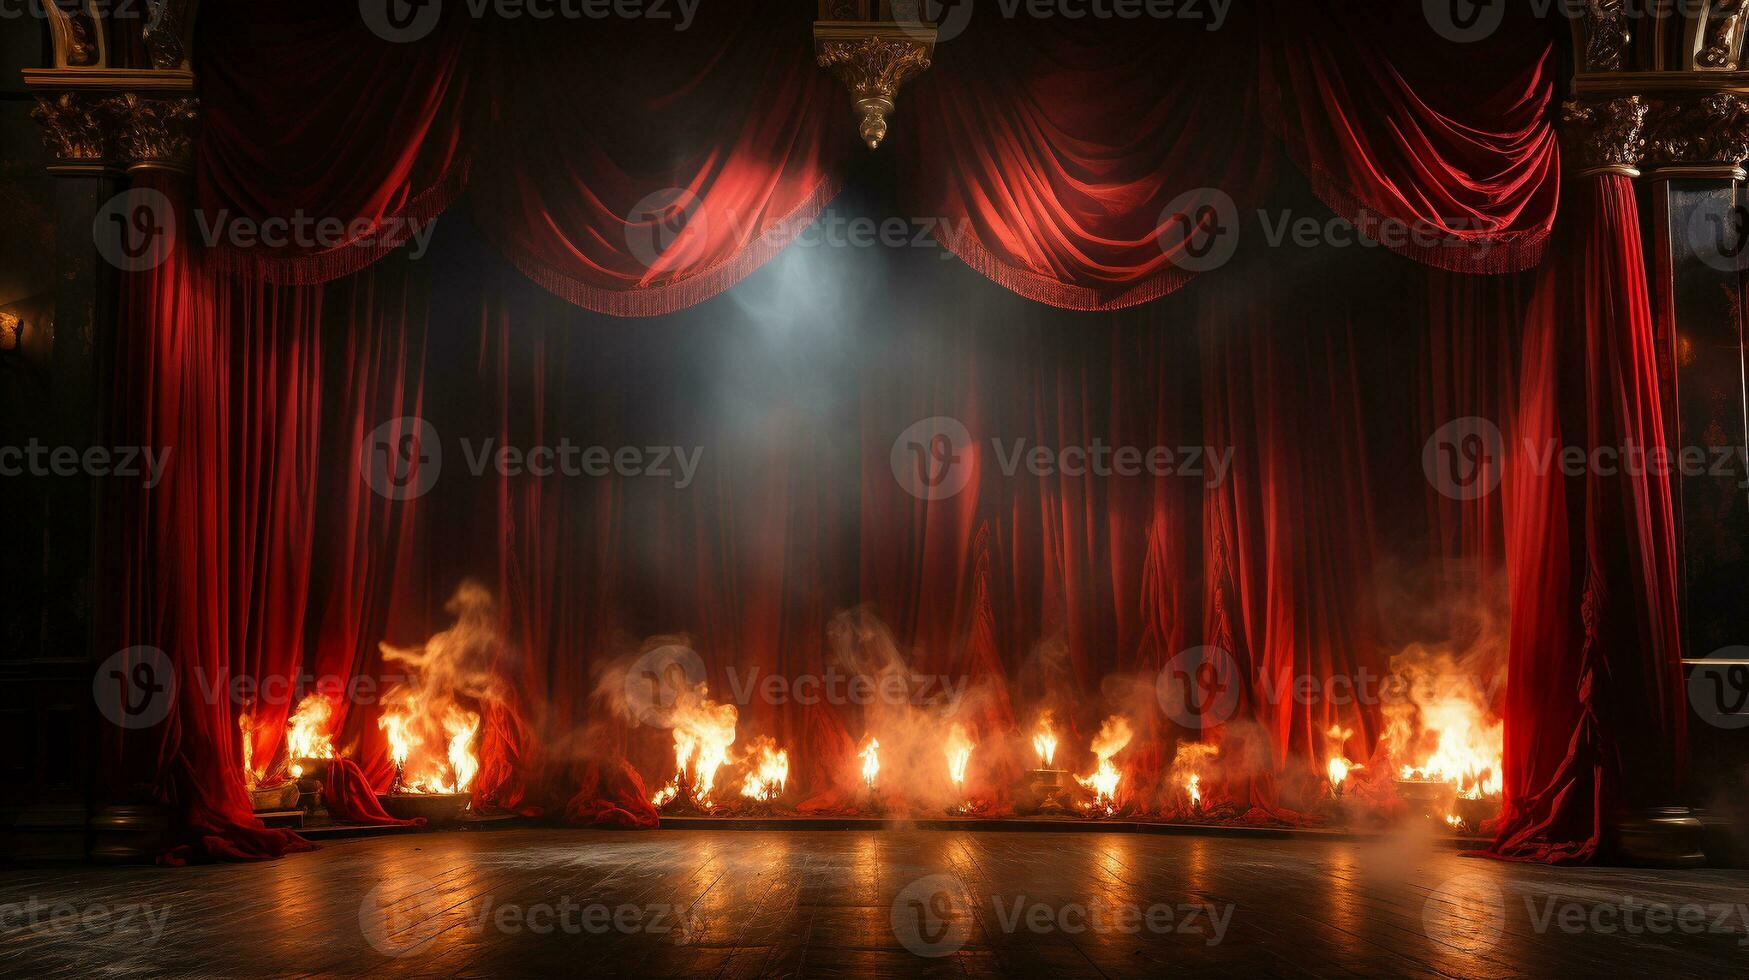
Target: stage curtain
309 117
1060 158
224 377
1595 712
1442 151
634 169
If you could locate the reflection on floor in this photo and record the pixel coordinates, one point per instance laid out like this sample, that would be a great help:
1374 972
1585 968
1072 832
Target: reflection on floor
860 904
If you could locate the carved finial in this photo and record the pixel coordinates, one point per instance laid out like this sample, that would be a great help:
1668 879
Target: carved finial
873 61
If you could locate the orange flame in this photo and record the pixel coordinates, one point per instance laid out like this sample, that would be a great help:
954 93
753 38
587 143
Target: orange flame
871 761
1113 735
306 733
959 753
766 779
1339 766
1193 789
1045 740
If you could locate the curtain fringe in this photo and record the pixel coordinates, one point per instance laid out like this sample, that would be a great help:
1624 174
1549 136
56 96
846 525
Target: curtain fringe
1054 292
675 296
315 268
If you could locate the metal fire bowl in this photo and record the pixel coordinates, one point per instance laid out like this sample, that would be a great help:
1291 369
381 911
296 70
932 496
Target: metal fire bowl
436 808
1048 778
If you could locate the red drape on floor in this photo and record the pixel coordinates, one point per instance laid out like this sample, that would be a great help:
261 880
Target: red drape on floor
1594 695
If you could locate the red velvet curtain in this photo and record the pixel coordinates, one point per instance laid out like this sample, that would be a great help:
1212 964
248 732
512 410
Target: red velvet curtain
1595 713
225 378
1055 163
695 156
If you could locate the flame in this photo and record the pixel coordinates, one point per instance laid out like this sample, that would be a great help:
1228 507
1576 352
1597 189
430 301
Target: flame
959 753
1045 740
1445 731
306 732
704 731
252 776
1193 788
1103 783
409 726
401 738
1113 735
1454 821
871 761
766 778
1339 766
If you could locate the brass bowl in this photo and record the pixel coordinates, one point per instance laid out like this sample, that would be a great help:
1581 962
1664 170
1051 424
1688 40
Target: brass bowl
438 809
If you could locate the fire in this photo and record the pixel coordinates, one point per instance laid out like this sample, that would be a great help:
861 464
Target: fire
1193 789
1045 741
959 753
704 731
1445 731
767 774
1339 766
306 731
410 727
252 776
1113 735
871 761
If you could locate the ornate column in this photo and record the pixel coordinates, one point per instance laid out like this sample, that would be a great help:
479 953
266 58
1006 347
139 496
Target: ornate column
100 122
1679 68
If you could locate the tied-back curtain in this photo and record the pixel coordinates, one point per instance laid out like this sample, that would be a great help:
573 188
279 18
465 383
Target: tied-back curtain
1595 714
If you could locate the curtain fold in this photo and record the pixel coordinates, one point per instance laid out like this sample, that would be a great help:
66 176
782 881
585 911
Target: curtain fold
1442 151
1595 711
696 156
323 146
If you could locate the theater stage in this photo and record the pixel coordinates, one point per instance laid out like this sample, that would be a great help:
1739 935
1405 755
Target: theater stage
901 903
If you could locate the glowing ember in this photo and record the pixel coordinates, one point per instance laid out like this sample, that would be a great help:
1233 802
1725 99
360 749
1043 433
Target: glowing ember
1045 741
1454 821
307 734
959 753
769 771
871 761
1113 735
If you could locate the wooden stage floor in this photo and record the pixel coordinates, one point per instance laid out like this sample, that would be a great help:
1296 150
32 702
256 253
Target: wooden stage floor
896 903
